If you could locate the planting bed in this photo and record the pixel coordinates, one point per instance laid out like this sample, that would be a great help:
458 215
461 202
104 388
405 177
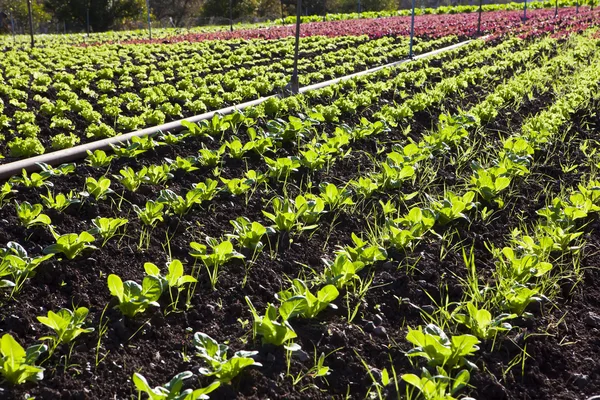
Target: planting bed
426 232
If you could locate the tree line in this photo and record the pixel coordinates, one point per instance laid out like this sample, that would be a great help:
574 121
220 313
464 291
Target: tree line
103 15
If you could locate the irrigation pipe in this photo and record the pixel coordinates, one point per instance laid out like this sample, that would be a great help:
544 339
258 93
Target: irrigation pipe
80 151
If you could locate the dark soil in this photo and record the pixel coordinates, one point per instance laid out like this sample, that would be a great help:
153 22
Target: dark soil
562 345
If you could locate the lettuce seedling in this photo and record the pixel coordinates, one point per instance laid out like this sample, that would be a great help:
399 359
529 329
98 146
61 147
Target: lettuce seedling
342 270
131 150
418 221
187 164
440 386
335 197
5 192
98 189
562 238
222 252
31 215
453 207
208 188
158 174
249 234
34 180
133 297
16 263
145 142
130 179
107 227
396 169
172 390
438 349
362 252
211 158
259 144
61 201
299 301
66 324
517 298
175 278
17 364
309 209
286 214
71 244
283 167
237 149
314 159
267 326
178 204
98 159
61 170
522 269
152 214
218 364
481 324
489 183
364 187
236 186
214 127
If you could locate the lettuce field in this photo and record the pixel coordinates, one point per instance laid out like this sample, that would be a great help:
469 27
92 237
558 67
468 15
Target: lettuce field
426 231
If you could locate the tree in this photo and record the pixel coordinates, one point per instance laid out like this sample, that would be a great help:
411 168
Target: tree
18 10
220 8
176 9
104 14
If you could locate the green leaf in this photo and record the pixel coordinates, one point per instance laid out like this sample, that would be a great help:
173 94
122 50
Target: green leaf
175 272
461 381
115 286
12 350
385 377
141 384
412 379
151 269
293 307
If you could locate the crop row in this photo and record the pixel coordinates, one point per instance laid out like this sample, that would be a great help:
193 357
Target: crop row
311 224
426 26
114 92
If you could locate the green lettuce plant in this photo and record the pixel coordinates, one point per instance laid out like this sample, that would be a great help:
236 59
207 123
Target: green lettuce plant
172 389
218 364
135 298
71 244
17 365
66 324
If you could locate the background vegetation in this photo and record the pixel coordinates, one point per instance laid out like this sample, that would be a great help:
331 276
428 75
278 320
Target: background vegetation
71 15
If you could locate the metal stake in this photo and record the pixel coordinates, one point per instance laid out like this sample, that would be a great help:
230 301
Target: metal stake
30 22
479 18
412 30
12 28
149 21
231 15
295 85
